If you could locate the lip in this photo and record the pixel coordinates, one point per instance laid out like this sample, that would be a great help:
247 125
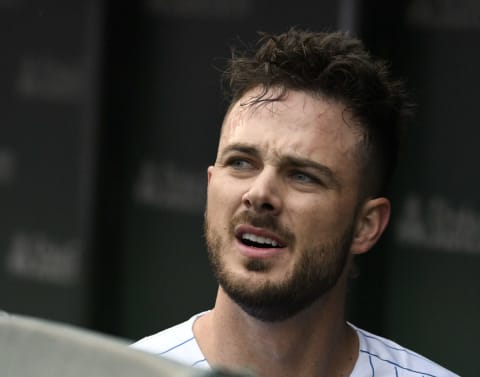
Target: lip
256 252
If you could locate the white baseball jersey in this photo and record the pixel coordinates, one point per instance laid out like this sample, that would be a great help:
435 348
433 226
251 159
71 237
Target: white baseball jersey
377 356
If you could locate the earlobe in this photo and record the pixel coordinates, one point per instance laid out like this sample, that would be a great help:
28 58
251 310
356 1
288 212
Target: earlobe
370 225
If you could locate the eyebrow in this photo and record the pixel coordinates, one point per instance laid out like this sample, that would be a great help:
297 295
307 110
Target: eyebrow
286 160
242 148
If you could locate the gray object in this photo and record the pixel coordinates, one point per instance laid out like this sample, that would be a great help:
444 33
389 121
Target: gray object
31 347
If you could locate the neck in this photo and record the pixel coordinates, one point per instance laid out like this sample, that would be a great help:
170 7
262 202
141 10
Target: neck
314 342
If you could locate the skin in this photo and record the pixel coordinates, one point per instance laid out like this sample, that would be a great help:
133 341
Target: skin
296 161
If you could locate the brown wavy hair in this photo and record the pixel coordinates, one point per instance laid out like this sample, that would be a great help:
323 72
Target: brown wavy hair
333 66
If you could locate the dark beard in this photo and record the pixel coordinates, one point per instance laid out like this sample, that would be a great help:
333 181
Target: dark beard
316 272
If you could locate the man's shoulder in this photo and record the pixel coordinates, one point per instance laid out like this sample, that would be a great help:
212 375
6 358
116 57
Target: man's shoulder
177 343
383 357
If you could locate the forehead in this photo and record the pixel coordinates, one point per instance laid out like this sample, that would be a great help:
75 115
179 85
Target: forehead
297 122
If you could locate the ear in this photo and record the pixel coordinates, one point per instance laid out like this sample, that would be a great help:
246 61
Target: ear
371 222
209 173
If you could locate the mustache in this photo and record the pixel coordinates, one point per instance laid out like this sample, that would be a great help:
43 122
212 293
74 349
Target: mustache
265 221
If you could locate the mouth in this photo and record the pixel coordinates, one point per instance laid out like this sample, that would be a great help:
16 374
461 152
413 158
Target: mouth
257 238
252 240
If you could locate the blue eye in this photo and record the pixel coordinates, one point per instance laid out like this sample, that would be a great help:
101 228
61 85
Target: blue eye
303 178
239 164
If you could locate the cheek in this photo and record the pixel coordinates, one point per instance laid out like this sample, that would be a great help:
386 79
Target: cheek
320 218
217 193
223 198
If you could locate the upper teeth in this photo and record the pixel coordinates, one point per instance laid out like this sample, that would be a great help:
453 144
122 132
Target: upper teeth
258 239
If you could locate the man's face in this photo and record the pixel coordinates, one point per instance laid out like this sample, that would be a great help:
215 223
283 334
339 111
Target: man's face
282 202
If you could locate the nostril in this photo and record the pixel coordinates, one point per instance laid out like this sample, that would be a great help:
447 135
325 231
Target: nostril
261 201
246 201
267 207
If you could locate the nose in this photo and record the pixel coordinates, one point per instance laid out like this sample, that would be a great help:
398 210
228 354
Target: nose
263 194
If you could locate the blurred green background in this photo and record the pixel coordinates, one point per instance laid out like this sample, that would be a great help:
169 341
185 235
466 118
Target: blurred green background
109 118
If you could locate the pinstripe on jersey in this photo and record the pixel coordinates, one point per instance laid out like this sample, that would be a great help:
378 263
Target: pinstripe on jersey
378 357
